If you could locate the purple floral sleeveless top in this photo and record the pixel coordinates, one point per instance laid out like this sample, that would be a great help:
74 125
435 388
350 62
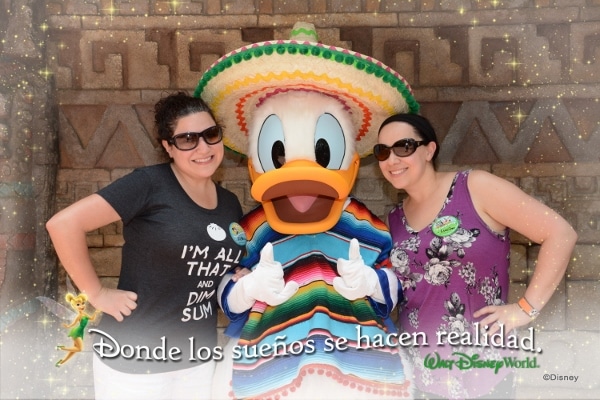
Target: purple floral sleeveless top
450 269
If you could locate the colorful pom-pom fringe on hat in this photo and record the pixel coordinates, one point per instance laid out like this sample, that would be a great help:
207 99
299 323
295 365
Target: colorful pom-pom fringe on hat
237 83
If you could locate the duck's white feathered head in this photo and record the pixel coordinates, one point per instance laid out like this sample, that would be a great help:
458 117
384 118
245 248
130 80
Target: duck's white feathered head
303 113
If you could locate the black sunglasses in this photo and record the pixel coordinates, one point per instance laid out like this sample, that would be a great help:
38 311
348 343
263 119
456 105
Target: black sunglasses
189 140
402 148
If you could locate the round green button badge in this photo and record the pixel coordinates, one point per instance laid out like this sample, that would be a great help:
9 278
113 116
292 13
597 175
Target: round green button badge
445 226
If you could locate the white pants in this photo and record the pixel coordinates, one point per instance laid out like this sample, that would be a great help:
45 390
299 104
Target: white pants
191 383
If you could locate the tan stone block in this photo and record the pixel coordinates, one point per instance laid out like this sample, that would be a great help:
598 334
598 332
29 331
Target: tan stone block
345 6
515 291
576 170
582 314
82 190
110 229
109 282
373 6
238 7
553 189
453 5
283 28
104 97
83 175
588 229
114 240
512 15
119 173
554 316
389 6
95 240
592 11
81 7
330 20
107 261
242 191
369 191
232 174
585 263
519 239
176 8
507 93
168 22
518 263
64 22
290 7
128 7
232 160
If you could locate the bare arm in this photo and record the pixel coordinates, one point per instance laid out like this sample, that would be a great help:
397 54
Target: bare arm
68 229
502 204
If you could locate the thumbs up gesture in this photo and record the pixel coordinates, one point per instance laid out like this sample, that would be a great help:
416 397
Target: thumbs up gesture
356 279
265 283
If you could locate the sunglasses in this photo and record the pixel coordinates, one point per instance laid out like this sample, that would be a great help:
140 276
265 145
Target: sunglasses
189 140
402 148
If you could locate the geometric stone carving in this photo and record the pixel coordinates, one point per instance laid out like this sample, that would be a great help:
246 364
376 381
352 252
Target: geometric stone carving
547 146
585 39
65 59
475 146
120 60
547 134
196 50
84 119
510 55
586 114
418 54
560 46
115 138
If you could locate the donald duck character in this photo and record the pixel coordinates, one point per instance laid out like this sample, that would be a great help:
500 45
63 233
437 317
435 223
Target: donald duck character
312 319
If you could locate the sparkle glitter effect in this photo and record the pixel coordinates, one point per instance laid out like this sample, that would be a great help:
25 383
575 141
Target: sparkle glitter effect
517 82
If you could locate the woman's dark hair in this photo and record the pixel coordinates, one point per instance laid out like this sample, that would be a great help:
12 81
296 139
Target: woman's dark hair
421 125
169 109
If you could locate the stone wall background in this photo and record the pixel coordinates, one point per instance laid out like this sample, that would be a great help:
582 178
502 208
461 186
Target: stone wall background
510 86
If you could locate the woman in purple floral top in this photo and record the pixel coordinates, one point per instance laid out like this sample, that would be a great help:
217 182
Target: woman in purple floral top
452 255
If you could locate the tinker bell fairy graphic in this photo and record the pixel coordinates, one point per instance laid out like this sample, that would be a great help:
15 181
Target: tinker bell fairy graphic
77 315
80 321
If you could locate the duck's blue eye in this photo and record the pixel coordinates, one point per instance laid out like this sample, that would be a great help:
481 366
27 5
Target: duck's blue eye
330 145
271 144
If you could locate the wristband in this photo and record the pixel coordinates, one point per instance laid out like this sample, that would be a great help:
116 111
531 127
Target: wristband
528 308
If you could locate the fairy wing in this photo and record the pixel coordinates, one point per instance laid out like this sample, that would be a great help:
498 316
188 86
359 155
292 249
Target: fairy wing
57 309
14 314
30 306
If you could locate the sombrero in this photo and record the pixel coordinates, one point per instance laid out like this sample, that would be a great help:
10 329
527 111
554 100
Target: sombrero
238 82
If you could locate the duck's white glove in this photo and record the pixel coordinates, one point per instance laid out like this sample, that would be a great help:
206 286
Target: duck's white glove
265 283
356 279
